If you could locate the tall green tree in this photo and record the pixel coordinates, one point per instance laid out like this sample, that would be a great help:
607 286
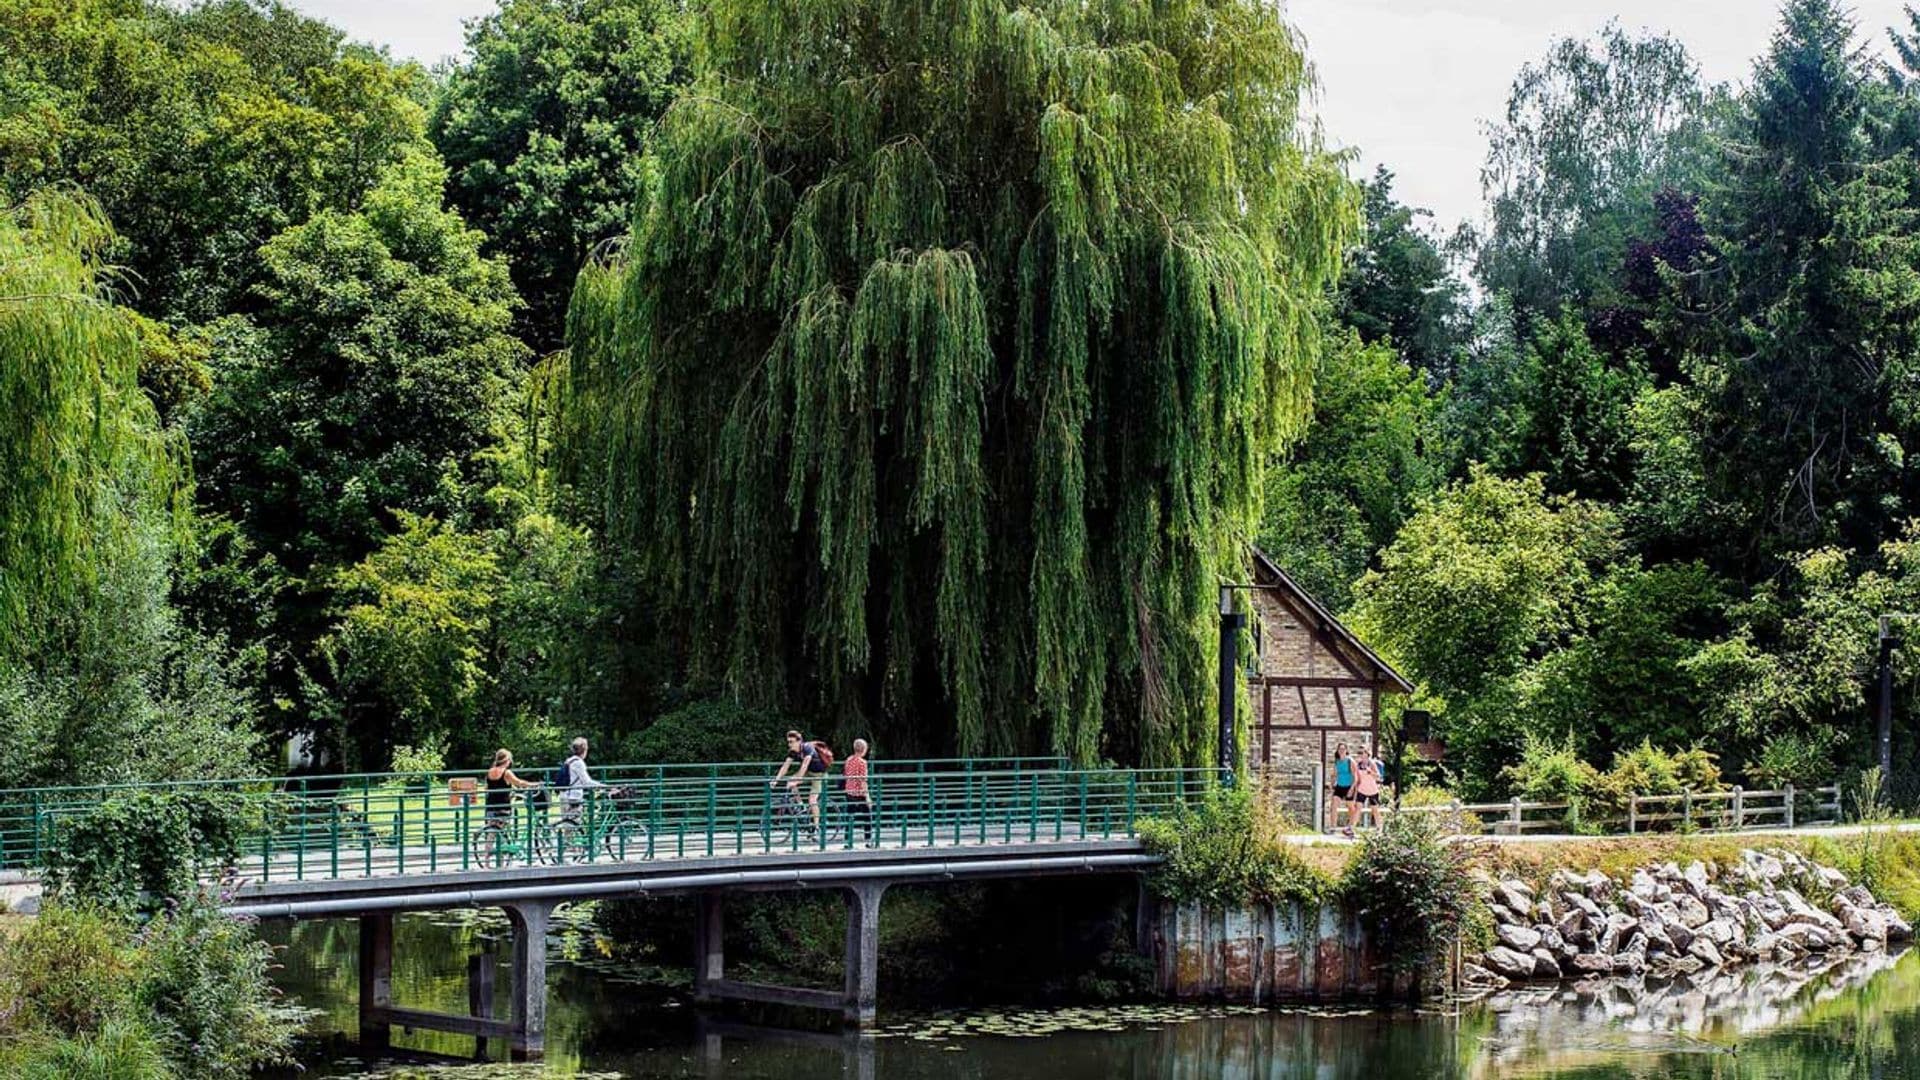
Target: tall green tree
1815 275
936 380
1590 134
94 665
378 364
1373 452
203 130
1487 578
79 442
544 126
1398 285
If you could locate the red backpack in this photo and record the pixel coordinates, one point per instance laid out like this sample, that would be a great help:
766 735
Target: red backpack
824 753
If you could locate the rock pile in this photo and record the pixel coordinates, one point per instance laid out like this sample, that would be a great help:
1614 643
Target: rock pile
1666 920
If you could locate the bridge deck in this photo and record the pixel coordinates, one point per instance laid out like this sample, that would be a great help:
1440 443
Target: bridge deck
752 866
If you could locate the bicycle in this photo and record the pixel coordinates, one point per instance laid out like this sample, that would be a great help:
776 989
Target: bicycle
520 836
609 823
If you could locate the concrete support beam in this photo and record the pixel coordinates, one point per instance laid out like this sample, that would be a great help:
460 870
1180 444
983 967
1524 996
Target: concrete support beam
376 979
529 978
709 945
855 1001
863 952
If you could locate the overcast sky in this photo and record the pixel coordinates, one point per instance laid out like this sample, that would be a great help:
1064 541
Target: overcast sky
1408 82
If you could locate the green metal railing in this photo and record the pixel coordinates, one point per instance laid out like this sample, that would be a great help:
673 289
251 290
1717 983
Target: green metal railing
367 825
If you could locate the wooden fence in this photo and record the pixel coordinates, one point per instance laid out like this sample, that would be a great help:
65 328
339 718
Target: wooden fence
1733 810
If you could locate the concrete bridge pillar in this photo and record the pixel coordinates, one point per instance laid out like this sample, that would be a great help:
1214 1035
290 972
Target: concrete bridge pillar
856 1000
376 979
529 977
863 951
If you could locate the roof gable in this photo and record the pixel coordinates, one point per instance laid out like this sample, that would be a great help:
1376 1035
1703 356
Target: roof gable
1268 573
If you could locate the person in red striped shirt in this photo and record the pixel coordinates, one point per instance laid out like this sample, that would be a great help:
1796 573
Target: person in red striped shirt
854 791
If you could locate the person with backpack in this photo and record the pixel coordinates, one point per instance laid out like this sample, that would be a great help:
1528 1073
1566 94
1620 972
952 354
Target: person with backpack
809 760
572 780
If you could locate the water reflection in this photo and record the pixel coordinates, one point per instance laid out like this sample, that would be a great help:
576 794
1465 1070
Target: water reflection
1860 1017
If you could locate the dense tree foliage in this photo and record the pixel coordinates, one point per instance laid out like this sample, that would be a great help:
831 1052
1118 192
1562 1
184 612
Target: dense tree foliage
918 372
202 132
544 128
1589 135
942 398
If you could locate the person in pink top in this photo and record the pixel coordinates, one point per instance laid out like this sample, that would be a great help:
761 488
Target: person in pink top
858 797
1366 789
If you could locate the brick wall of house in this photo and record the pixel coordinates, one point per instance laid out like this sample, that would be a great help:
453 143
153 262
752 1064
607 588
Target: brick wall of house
1289 648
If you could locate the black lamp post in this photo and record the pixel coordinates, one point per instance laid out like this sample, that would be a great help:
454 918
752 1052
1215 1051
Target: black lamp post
1883 712
1231 622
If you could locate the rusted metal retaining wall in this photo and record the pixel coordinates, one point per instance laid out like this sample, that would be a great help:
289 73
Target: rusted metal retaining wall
1261 954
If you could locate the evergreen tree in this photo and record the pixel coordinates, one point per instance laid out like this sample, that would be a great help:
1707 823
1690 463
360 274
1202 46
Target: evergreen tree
1817 281
1397 286
936 380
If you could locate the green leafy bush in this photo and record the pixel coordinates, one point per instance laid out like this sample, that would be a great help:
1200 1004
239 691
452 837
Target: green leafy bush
142 849
205 981
1230 848
1648 770
1801 759
1411 888
704 731
1553 772
85 992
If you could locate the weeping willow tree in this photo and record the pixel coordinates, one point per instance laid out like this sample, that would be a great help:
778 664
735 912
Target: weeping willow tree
935 379
80 453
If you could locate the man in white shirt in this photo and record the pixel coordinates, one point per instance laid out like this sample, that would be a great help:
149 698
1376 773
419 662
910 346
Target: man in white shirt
573 793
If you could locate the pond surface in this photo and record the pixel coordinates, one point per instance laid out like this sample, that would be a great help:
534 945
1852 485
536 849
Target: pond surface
1858 1018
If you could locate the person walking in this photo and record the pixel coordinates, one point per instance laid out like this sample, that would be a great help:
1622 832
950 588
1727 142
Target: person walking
573 781
855 792
1342 784
501 784
1366 790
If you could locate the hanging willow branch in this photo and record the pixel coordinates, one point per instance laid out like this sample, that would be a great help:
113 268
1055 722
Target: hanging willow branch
938 373
78 441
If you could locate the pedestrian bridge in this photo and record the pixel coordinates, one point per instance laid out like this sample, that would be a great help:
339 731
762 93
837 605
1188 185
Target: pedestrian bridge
369 846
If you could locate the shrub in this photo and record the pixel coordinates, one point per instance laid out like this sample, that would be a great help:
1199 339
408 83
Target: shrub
204 979
1426 795
66 972
83 993
708 731
1554 773
429 757
1803 760
145 848
1230 848
1411 889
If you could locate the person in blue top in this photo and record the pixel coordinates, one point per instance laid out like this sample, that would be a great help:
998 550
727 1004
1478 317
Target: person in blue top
1342 784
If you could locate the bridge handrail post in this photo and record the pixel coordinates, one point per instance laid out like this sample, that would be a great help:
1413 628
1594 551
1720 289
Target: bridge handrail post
653 808
766 817
1033 808
1083 804
1133 795
38 855
333 839
713 809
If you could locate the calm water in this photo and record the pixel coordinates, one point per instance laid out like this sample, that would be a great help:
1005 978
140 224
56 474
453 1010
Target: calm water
1859 1019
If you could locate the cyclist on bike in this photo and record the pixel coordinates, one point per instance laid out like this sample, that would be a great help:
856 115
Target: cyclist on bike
812 769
